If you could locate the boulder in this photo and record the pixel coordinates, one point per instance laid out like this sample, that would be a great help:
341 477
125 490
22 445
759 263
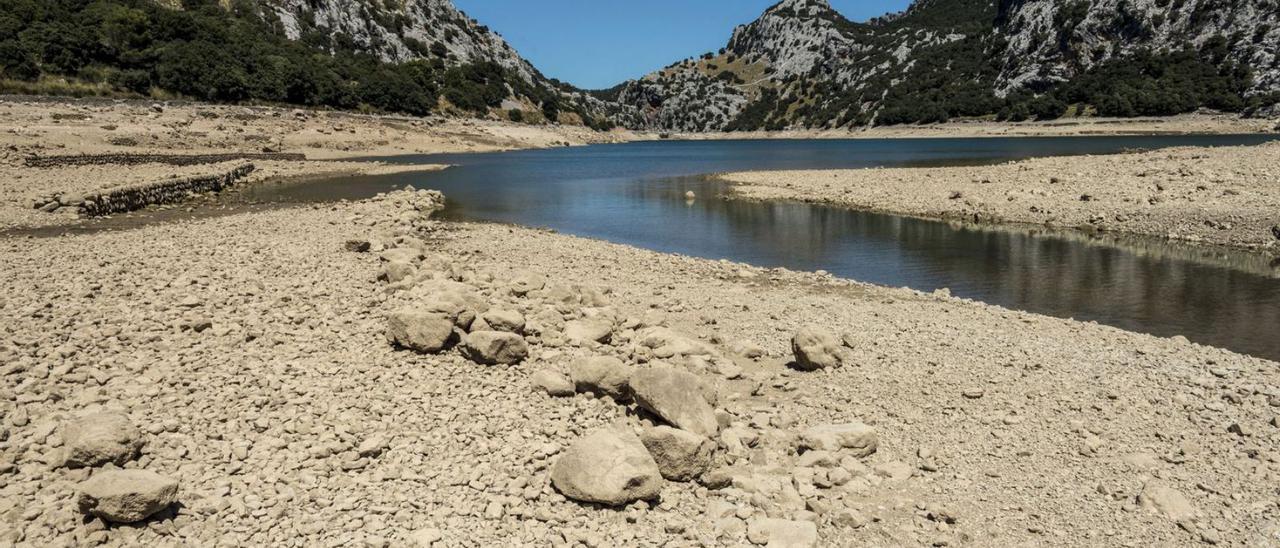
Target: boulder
101 438
504 320
426 332
609 466
816 348
602 375
782 533
126 496
681 456
677 397
495 347
855 438
578 332
554 384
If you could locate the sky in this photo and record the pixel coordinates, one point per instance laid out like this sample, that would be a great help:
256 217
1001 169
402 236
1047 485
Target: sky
595 44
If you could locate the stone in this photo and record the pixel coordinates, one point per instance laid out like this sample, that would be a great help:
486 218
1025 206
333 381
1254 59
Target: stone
747 349
423 332
425 537
782 533
677 397
504 320
126 496
816 348
855 438
554 384
1166 501
609 466
495 347
357 246
101 438
848 518
373 446
602 375
667 343
893 470
681 456
396 271
582 331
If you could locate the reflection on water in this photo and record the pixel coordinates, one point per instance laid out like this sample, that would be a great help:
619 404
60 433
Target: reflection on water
634 194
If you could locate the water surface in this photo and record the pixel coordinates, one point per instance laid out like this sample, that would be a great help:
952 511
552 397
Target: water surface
634 194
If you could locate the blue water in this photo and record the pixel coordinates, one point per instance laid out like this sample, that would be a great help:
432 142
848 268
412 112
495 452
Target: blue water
634 194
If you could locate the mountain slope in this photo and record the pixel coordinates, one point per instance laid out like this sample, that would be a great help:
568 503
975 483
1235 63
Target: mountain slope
802 64
411 56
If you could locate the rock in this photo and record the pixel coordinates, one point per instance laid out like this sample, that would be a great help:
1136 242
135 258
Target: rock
373 446
747 349
357 246
126 496
424 332
677 397
667 343
554 384
425 537
816 348
894 470
1166 501
681 456
602 375
495 347
782 533
1275 231
396 271
857 438
848 518
101 438
581 331
504 320
609 466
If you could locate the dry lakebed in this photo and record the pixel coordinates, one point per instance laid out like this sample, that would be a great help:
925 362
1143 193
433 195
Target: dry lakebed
362 374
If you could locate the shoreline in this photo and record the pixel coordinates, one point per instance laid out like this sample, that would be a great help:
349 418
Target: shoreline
1162 194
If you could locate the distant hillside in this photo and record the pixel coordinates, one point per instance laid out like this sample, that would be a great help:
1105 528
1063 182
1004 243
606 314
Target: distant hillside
410 56
803 65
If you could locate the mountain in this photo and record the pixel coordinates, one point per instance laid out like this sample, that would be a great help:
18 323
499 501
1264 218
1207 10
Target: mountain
411 56
803 65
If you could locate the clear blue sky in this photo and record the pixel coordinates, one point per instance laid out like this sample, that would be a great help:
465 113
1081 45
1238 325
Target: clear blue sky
599 43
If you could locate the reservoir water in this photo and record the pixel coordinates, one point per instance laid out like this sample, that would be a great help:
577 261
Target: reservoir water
634 194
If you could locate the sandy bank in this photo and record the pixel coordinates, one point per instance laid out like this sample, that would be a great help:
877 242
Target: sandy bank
250 351
1223 196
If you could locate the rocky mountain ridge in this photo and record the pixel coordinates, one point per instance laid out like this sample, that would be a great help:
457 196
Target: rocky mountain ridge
802 64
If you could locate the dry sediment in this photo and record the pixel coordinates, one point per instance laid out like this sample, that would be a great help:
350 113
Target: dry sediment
1220 196
260 377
